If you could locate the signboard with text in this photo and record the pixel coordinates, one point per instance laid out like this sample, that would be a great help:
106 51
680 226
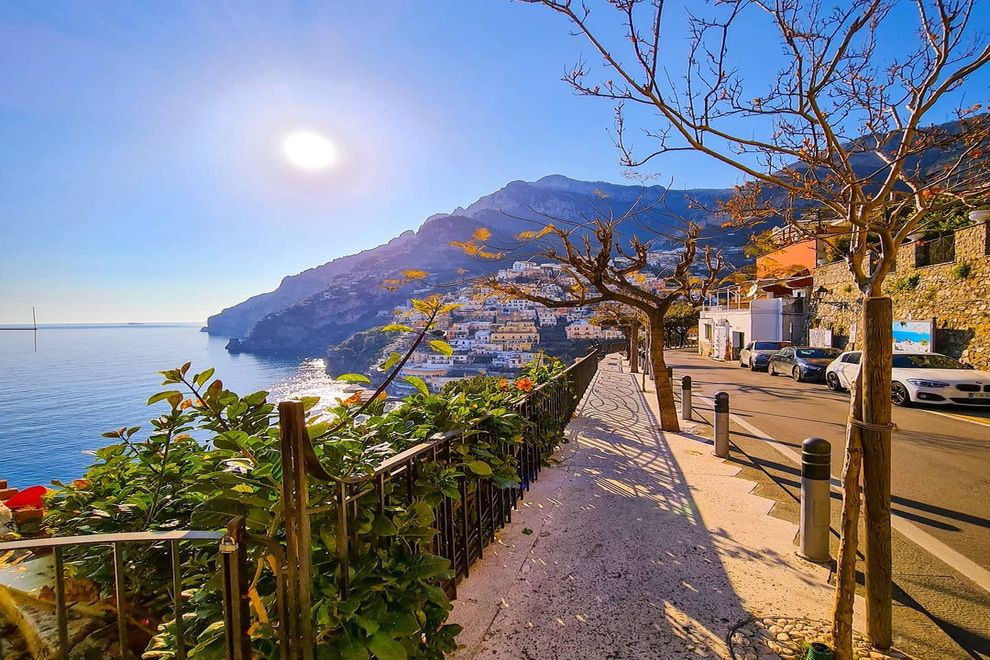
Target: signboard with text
915 336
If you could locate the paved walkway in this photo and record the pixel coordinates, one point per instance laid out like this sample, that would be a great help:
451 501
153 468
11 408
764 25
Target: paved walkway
640 545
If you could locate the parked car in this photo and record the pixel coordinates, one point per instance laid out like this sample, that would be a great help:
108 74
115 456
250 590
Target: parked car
919 378
802 362
756 354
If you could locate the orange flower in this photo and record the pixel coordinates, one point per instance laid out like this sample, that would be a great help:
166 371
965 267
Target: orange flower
503 385
525 384
186 403
351 400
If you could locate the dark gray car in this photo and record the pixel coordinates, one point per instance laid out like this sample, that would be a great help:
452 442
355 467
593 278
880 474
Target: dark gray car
802 362
756 354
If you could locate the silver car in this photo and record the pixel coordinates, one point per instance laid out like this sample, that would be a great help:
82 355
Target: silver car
756 354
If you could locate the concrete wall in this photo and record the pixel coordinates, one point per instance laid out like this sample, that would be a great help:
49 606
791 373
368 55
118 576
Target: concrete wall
960 306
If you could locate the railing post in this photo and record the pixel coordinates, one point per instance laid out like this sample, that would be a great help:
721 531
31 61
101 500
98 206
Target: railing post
298 536
233 556
686 397
816 513
722 425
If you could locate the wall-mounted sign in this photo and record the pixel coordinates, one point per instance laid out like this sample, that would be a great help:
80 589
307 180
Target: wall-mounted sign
916 336
821 337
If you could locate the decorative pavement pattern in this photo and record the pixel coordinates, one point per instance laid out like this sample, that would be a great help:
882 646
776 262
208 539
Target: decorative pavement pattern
788 638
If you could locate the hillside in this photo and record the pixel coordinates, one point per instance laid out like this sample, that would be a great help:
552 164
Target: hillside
324 305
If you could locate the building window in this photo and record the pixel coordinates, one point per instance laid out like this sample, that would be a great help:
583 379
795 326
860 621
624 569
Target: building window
708 331
940 250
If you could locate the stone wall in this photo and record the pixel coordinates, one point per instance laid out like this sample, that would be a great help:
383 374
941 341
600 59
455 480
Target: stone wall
960 305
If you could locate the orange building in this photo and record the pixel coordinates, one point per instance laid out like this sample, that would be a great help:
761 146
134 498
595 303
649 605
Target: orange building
794 259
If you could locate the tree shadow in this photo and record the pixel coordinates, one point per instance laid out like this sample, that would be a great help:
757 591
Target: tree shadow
624 566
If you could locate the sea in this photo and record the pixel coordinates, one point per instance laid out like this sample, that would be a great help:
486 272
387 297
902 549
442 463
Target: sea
64 385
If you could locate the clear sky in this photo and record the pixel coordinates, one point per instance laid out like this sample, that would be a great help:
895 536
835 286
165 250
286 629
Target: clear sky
140 171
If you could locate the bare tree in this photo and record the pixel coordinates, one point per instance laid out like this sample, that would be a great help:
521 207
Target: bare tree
840 126
598 268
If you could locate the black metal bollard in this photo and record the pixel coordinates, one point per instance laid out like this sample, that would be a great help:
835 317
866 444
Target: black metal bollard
686 397
722 424
816 501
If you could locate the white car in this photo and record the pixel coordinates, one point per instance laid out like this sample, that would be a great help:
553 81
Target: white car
919 378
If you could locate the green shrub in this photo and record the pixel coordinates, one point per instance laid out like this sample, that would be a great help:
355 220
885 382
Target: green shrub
212 454
904 283
962 270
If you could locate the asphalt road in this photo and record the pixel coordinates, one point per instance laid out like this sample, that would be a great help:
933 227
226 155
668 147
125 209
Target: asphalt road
940 481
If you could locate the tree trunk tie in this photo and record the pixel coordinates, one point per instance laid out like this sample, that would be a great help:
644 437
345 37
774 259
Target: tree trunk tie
890 426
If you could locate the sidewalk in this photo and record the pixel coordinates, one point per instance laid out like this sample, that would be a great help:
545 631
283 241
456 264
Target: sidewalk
640 545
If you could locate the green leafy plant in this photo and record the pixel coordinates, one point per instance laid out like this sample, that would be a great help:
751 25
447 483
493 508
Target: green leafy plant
961 270
904 283
211 454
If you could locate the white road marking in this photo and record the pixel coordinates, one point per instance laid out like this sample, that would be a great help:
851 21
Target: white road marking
970 569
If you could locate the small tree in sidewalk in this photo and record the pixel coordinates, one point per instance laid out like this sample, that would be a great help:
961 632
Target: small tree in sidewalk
837 122
598 268
628 320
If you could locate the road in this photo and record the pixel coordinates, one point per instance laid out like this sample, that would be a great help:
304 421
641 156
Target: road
940 480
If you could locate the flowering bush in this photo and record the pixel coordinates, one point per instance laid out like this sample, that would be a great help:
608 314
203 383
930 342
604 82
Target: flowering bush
212 454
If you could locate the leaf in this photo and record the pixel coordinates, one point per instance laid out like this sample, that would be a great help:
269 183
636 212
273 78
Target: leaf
440 346
382 526
418 383
162 396
480 468
370 626
527 531
391 361
386 648
396 327
424 513
352 649
353 378
201 378
481 234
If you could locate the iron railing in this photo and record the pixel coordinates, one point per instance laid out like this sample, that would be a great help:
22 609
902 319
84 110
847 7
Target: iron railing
233 561
466 525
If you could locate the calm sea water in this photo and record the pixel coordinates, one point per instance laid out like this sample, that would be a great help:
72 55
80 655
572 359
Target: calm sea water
86 379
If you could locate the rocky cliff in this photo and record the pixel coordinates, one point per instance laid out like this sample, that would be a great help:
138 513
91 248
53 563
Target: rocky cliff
322 306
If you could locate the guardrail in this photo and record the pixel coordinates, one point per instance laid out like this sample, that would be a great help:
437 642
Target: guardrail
230 548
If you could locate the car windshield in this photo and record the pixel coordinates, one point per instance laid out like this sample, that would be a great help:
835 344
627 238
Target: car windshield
926 361
769 345
817 352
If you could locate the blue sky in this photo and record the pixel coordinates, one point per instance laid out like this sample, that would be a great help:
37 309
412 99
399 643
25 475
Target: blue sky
141 178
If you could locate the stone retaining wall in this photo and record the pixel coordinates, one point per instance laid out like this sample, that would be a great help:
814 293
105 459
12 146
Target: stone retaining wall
960 305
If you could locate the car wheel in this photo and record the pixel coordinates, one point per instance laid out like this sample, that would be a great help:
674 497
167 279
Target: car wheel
796 374
832 381
742 364
752 365
899 395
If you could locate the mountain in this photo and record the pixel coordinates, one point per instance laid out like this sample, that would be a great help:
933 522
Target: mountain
324 305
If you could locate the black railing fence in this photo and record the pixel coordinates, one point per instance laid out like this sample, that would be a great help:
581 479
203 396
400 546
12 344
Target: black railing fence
466 525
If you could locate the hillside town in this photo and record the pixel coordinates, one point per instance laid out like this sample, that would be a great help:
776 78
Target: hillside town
498 335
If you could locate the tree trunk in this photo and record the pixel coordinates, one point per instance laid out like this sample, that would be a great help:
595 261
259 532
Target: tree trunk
665 390
634 347
845 574
875 377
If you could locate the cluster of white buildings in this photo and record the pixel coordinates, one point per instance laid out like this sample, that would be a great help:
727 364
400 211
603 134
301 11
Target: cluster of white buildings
497 335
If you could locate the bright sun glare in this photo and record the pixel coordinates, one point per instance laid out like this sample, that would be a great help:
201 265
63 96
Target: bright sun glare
309 151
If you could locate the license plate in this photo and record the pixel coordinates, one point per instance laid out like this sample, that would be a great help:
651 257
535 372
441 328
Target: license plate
979 395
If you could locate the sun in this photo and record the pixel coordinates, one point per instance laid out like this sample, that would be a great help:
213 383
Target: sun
309 151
